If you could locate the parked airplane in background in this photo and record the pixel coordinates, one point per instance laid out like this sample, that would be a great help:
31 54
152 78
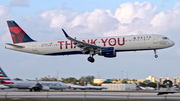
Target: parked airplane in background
168 90
89 86
144 88
2 87
106 47
31 85
77 87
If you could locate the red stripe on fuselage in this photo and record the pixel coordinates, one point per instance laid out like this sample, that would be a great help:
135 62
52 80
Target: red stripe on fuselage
7 82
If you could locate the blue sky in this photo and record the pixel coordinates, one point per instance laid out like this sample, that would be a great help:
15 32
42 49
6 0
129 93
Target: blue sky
43 20
78 5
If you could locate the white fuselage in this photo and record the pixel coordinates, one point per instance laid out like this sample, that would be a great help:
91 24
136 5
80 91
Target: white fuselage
123 43
147 88
89 86
30 84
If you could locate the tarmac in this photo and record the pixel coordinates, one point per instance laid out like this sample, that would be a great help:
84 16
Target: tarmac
87 95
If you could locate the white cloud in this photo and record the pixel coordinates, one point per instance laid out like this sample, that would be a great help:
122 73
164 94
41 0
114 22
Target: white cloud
126 12
6 38
129 18
168 20
134 18
97 22
19 3
5 14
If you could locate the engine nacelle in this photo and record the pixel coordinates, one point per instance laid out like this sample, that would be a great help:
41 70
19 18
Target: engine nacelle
108 52
45 88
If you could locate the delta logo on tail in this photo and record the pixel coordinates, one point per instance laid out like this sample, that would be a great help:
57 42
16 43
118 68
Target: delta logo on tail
17 34
4 79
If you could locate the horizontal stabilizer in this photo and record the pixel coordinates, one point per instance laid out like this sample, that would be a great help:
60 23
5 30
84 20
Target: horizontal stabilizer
17 46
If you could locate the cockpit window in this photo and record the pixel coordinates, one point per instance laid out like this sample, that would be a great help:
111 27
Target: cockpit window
165 38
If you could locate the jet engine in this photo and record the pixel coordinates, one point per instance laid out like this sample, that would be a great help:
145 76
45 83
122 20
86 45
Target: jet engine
46 88
107 52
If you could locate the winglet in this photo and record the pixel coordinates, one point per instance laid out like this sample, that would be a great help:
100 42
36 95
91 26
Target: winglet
65 33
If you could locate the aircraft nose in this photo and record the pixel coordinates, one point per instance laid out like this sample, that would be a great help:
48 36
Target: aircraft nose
172 43
66 86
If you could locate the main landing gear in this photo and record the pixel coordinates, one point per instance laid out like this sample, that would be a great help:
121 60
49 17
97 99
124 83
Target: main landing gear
91 59
156 56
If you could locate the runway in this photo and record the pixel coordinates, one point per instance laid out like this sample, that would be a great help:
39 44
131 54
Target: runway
88 95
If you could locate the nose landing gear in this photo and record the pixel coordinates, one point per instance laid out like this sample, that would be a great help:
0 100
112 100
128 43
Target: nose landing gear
156 56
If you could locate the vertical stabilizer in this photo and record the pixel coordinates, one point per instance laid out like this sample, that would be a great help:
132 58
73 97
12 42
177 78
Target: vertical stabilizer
4 79
138 87
17 34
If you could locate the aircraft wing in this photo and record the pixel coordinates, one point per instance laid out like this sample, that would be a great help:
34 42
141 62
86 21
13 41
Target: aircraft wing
32 86
81 44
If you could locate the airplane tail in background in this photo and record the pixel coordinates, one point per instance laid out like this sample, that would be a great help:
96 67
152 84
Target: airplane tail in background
138 87
17 34
88 84
4 79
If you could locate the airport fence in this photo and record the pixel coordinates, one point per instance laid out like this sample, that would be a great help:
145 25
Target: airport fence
87 96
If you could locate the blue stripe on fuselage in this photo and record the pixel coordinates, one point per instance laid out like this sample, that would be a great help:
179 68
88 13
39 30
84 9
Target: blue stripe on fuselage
65 53
80 52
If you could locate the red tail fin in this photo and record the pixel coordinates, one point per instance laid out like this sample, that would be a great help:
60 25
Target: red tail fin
17 34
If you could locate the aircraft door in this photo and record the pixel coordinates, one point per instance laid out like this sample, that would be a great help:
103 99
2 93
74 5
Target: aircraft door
155 39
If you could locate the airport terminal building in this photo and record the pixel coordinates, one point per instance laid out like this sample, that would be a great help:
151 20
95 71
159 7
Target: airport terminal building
120 87
175 80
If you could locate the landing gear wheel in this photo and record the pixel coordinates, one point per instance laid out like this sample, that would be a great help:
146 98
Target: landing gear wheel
156 56
91 59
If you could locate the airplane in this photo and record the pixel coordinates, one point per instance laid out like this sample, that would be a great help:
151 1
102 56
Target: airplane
107 46
167 90
77 87
2 87
144 88
89 86
31 85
